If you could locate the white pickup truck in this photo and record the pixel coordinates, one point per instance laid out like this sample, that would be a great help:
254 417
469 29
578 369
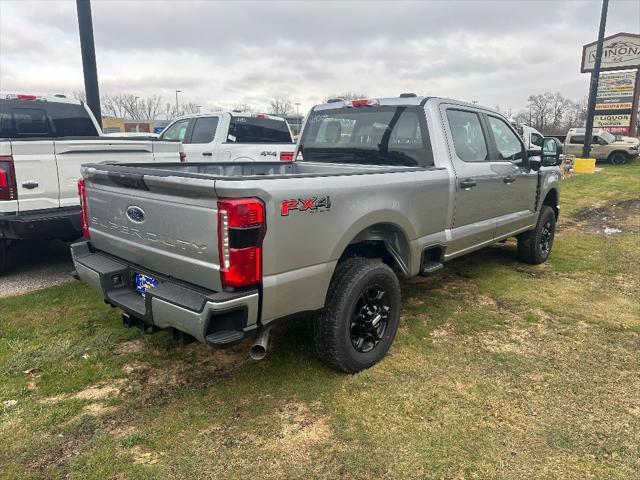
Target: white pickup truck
232 137
43 142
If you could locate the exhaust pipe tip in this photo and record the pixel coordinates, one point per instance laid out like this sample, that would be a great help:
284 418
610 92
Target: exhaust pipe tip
259 348
257 352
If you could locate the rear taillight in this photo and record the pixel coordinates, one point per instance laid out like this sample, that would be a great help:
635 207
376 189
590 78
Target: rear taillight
241 228
183 157
286 156
8 186
84 215
22 96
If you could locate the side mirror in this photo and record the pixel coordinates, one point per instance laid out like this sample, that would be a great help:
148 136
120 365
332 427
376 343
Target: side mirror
551 151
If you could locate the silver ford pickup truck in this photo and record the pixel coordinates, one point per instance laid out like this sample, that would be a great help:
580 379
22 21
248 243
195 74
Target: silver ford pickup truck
380 189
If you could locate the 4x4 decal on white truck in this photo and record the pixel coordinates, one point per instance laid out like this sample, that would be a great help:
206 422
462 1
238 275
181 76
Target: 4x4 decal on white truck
312 205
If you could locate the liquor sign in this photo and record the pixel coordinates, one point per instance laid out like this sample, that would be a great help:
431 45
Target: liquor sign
619 52
615 91
614 123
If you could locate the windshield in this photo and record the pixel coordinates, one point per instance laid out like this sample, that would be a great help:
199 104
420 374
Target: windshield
258 130
386 135
608 137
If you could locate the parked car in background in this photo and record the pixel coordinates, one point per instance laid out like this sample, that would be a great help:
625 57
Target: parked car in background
604 146
532 138
43 142
380 188
232 137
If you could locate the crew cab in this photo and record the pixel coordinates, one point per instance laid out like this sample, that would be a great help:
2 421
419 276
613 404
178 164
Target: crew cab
43 142
380 189
604 146
232 137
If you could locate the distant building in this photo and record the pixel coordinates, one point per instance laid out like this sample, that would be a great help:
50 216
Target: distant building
118 125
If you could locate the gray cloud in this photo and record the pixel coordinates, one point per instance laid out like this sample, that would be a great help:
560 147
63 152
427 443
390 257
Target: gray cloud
248 52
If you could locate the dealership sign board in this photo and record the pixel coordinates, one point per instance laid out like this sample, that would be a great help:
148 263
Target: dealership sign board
619 52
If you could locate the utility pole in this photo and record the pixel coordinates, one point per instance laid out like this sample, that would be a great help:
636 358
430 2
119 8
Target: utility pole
595 76
177 92
88 50
298 118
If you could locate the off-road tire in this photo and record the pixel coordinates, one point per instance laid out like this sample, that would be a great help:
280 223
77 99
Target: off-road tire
618 158
332 327
4 256
531 243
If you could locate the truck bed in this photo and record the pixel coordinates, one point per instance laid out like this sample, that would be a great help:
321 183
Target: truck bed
244 170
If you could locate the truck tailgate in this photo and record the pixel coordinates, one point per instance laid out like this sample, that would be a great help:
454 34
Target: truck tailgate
166 223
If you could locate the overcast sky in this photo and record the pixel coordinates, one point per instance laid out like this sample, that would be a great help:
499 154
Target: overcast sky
225 53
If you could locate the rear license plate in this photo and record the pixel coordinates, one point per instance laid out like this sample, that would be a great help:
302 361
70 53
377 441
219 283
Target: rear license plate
144 283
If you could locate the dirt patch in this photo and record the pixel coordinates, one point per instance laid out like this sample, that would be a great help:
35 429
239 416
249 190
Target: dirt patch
144 456
132 346
301 430
612 219
98 409
97 392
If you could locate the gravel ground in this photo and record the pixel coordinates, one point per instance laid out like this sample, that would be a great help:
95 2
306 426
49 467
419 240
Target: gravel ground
35 265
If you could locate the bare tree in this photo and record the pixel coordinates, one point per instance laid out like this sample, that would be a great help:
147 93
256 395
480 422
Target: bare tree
243 107
150 107
281 106
114 106
79 95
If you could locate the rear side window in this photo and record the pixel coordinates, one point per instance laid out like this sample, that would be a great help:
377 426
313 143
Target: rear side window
70 120
579 139
468 138
258 130
204 130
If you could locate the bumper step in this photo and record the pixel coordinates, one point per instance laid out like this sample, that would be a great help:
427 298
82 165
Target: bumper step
430 267
224 338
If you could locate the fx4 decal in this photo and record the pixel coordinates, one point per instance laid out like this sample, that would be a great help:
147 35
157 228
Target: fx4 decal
311 205
268 153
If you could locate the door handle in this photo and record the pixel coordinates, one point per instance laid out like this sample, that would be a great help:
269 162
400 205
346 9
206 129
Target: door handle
509 179
30 184
468 183
207 154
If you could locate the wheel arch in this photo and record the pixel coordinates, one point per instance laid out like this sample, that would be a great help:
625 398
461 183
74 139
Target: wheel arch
386 240
552 199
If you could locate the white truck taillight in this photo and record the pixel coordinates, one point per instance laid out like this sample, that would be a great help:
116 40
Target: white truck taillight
84 215
8 186
241 229
286 156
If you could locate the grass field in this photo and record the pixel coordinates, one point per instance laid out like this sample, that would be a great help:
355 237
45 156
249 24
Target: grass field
499 370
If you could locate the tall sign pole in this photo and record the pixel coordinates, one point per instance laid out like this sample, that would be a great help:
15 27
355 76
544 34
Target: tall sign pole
87 47
595 75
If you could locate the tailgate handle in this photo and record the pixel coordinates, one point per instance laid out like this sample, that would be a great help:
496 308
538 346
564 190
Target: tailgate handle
207 154
30 184
468 183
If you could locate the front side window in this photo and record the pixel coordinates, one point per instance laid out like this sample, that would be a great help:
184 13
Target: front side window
468 138
176 131
204 130
507 142
371 135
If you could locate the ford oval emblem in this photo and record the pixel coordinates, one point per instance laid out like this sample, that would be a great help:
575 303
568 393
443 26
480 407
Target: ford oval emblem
135 214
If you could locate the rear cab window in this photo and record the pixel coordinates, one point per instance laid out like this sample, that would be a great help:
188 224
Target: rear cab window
258 129
371 135
35 119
